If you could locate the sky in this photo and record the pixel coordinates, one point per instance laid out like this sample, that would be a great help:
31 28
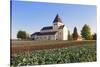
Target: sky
32 16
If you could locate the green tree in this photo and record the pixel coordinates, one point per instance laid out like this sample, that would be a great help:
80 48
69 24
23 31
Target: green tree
22 35
75 34
86 32
69 36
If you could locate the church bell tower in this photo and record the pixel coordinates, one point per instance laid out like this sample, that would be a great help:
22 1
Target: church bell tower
57 23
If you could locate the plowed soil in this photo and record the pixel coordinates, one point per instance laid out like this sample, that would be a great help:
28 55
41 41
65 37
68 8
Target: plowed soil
28 46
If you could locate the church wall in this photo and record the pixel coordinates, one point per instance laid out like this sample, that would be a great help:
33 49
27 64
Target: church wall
55 28
45 37
60 34
34 37
60 24
57 25
65 33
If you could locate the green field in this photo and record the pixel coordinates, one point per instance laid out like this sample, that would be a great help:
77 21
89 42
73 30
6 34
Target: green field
72 54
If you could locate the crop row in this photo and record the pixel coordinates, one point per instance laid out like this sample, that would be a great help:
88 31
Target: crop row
85 53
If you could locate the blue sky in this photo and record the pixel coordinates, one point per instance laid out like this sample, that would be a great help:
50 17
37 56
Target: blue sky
32 16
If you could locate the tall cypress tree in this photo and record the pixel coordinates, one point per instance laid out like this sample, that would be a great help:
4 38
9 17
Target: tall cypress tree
75 34
69 36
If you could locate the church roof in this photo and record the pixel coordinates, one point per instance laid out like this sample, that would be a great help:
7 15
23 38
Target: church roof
57 19
61 27
45 33
47 28
36 33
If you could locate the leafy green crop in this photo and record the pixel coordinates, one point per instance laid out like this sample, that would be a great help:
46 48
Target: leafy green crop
84 53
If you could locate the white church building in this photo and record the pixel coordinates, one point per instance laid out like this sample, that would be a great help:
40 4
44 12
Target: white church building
58 31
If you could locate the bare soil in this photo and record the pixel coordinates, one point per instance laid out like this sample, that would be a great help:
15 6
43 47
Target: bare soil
28 46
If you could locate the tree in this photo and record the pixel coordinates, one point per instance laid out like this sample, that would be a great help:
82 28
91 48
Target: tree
75 34
22 35
69 36
95 36
86 32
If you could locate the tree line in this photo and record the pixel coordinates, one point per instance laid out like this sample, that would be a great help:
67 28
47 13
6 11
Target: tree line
85 34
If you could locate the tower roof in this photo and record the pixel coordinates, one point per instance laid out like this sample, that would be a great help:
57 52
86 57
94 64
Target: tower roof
57 19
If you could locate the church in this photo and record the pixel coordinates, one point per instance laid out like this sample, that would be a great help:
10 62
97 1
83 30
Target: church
58 31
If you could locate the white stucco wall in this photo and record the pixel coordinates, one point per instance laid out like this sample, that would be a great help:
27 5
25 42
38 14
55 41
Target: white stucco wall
45 37
60 24
57 25
55 28
65 33
60 34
